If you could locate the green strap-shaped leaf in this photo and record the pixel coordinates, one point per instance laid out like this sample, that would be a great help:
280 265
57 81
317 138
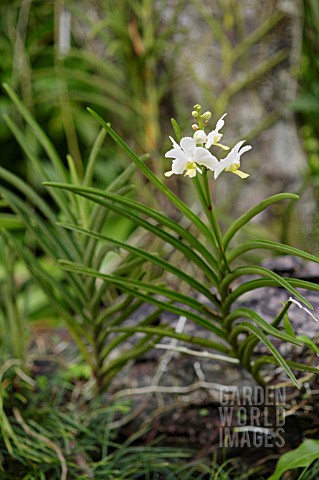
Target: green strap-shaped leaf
10 222
111 368
248 345
36 200
38 133
288 326
132 287
241 221
59 197
178 244
151 257
118 339
24 188
265 326
121 305
260 361
264 272
121 180
99 292
143 286
41 229
246 353
156 230
46 237
89 170
170 333
107 370
267 245
264 283
41 274
61 302
296 282
245 326
133 205
177 130
99 213
310 343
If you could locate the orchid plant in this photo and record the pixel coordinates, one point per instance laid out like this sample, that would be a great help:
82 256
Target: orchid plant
86 307
229 330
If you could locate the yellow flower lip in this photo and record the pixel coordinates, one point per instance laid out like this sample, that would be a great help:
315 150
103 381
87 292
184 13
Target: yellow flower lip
191 169
190 165
233 167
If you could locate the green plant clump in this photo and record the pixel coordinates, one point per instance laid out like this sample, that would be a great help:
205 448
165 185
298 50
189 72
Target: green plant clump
47 432
87 307
208 252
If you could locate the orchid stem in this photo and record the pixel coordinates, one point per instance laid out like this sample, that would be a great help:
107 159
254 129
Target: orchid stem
202 197
212 219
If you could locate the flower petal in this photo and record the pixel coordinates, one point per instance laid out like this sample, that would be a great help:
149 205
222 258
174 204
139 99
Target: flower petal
220 122
245 149
179 165
236 148
224 147
240 173
214 136
219 169
205 158
229 160
188 144
175 144
191 172
175 153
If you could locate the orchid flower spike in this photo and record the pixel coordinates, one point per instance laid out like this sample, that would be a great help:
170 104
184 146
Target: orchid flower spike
187 156
231 163
214 136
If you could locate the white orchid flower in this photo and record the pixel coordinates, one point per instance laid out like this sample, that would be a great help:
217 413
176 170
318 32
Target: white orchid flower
214 136
231 163
187 156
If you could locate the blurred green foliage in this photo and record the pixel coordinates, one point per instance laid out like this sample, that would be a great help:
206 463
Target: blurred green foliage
120 60
137 63
307 103
48 432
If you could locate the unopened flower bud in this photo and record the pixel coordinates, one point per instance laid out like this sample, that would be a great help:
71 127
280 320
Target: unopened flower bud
206 116
200 136
195 114
195 127
197 107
